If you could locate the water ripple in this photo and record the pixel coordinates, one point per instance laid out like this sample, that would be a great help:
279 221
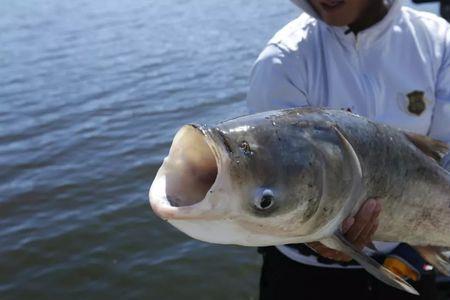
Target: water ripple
92 93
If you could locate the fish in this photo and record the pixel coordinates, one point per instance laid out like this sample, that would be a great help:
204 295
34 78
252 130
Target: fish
293 175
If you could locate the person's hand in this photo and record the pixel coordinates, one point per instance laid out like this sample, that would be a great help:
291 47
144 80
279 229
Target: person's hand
358 230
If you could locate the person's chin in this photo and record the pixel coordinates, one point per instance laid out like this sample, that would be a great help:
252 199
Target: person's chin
335 21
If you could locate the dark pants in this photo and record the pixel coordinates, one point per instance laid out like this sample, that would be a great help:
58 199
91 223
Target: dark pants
283 278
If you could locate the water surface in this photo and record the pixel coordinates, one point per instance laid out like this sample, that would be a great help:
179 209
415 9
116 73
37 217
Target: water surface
91 95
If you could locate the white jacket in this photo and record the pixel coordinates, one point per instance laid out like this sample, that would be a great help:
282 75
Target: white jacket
396 72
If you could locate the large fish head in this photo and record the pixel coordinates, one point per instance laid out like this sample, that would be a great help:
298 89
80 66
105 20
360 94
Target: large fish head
241 184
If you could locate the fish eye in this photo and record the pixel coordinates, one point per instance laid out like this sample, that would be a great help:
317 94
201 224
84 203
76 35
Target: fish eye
245 147
265 200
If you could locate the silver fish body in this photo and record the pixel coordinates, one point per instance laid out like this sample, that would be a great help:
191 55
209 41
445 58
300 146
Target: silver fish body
293 175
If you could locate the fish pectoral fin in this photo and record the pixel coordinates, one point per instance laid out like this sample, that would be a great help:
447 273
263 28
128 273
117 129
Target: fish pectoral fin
431 147
340 243
436 257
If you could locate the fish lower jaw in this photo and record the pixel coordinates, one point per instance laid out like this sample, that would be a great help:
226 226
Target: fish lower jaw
164 207
225 231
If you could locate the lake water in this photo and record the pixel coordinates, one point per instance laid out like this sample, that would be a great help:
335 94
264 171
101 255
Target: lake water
91 95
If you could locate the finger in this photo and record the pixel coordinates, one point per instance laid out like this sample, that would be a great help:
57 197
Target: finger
347 224
343 258
329 253
372 232
323 250
316 246
340 256
336 255
362 219
365 236
363 243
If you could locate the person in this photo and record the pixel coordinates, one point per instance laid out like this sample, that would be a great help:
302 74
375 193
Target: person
378 59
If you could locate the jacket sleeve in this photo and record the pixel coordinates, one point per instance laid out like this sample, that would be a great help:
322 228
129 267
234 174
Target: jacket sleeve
276 81
440 125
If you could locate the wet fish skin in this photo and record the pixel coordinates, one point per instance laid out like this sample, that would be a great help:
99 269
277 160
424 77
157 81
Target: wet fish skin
414 189
294 175
298 155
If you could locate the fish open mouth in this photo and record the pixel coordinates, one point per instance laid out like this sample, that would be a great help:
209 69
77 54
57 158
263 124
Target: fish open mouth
191 169
188 172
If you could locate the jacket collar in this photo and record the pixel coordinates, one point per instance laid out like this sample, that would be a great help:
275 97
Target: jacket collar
366 37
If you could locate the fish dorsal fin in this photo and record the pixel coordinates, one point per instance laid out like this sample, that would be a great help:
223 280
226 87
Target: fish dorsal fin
431 147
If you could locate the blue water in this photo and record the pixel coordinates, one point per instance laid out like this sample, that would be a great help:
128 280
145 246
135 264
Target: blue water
91 95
